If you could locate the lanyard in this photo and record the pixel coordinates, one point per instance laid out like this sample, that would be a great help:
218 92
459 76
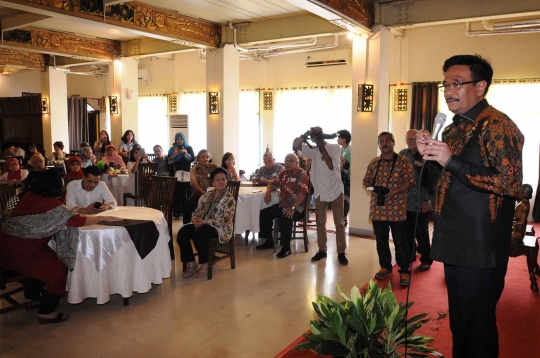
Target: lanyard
394 160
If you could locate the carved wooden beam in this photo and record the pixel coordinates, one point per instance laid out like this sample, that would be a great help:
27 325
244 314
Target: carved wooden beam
13 59
143 19
59 43
362 11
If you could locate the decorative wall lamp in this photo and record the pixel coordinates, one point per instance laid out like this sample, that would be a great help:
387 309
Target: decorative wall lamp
44 105
213 102
172 103
365 98
267 95
400 99
113 104
102 105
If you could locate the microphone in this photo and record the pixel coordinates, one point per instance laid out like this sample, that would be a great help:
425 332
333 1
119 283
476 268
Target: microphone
438 123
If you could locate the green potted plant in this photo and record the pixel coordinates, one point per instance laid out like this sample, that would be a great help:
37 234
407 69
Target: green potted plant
368 324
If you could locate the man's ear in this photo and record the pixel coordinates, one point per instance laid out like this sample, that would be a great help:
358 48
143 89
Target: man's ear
481 88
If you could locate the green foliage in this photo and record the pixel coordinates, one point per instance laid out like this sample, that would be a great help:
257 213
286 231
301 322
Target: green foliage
368 324
101 165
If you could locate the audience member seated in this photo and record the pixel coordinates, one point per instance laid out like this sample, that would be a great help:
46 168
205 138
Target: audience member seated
180 157
293 184
13 174
74 168
100 146
87 157
521 213
19 152
269 171
161 160
212 218
83 144
227 163
38 217
37 161
83 195
128 141
112 159
199 177
58 153
31 149
8 150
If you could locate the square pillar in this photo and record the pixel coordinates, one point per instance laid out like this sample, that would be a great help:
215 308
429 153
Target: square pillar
124 86
55 123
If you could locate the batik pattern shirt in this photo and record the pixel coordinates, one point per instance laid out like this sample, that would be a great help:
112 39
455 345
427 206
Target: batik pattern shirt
395 207
290 185
269 174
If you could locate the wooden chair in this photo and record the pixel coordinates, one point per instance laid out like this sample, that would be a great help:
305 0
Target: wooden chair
142 178
66 182
151 157
299 230
161 198
226 249
7 276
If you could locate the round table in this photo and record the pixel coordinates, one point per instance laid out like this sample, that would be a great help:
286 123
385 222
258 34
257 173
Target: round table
250 203
118 185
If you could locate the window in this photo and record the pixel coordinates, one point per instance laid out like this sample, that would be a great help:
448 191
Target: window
194 105
153 123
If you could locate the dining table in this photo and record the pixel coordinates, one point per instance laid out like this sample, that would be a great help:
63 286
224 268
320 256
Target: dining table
118 185
120 257
250 203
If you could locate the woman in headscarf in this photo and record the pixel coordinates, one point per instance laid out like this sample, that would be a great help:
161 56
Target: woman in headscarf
13 173
181 156
74 167
39 217
212 218
87 157
112 159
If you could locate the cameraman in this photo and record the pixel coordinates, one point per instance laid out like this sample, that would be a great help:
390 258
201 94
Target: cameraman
391 175
325 176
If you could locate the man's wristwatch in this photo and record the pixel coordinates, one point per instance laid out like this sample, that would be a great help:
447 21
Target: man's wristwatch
293 207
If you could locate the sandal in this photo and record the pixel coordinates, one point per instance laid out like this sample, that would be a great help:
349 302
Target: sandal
61 317
190 270
202 271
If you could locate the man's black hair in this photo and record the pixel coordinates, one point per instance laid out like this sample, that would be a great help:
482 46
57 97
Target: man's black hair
345 134
386 133
217 171
481 69
47 183
92 169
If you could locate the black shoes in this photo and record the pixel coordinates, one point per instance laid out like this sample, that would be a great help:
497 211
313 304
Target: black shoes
342 259
268 244
424 267
285 251
319 256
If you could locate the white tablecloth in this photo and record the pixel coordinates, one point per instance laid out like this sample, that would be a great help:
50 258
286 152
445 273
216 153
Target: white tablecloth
108 263
118 186
249 206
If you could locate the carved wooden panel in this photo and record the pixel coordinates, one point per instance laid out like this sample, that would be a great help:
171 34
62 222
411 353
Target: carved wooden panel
362 11
21 58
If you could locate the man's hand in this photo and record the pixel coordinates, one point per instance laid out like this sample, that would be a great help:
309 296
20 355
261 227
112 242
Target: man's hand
438 151
390 194
89 210
198 222
268 197
254 180
425 206
288 213
422 139
105 208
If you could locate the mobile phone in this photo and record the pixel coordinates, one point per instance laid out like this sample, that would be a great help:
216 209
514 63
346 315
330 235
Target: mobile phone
97 205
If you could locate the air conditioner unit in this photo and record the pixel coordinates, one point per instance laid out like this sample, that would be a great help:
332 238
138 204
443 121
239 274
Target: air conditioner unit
328 58
143 74
178 123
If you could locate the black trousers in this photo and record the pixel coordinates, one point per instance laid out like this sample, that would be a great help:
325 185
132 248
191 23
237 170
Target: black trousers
181 193
266 218
422 236
473 294
190 206
48 303
399 229
200 237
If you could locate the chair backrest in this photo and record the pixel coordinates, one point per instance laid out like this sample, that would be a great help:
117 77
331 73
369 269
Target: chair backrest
6 192
151 157
233 186
161 195
69 180
142 180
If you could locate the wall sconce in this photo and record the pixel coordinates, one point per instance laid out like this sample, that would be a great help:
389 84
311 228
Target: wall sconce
44 105
267 95
365 98
172 103
213 102
102 105
113 104
400 99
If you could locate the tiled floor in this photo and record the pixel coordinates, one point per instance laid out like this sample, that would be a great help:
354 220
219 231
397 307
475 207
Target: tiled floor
253 311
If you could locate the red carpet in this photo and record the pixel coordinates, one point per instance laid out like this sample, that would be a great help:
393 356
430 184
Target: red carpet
517 312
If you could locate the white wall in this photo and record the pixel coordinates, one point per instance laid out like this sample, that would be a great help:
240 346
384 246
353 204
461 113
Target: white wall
23 81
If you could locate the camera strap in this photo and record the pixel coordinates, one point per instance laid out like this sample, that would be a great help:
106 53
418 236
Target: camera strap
394 160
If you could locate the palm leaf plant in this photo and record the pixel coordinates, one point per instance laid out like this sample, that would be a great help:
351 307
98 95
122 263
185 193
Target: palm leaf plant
368 324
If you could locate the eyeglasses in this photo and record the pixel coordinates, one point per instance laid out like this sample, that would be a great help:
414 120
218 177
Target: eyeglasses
454 85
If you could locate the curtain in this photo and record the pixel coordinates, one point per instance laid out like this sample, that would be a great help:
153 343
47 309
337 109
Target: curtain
194 105
424 105
249 157
536 207
20 105
77 122
153 123
295 111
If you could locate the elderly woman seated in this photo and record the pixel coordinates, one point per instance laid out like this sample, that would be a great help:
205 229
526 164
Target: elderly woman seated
112 159
87 157
13 174
39 217
212 218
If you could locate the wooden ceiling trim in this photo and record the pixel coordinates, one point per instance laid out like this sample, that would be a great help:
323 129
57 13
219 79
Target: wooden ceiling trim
362 11
17 59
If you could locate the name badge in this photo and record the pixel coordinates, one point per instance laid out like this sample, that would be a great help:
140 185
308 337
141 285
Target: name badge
274 175
292 180
417 163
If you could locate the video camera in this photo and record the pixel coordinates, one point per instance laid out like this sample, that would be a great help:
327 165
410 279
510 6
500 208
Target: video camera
381 193
320 136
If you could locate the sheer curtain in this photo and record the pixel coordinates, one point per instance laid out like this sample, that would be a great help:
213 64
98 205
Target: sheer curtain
77 122
295 111
153 123
194 105
520 103
250 156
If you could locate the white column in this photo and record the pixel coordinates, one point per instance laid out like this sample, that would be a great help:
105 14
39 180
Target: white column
370 65
222 76
55 123
124 85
